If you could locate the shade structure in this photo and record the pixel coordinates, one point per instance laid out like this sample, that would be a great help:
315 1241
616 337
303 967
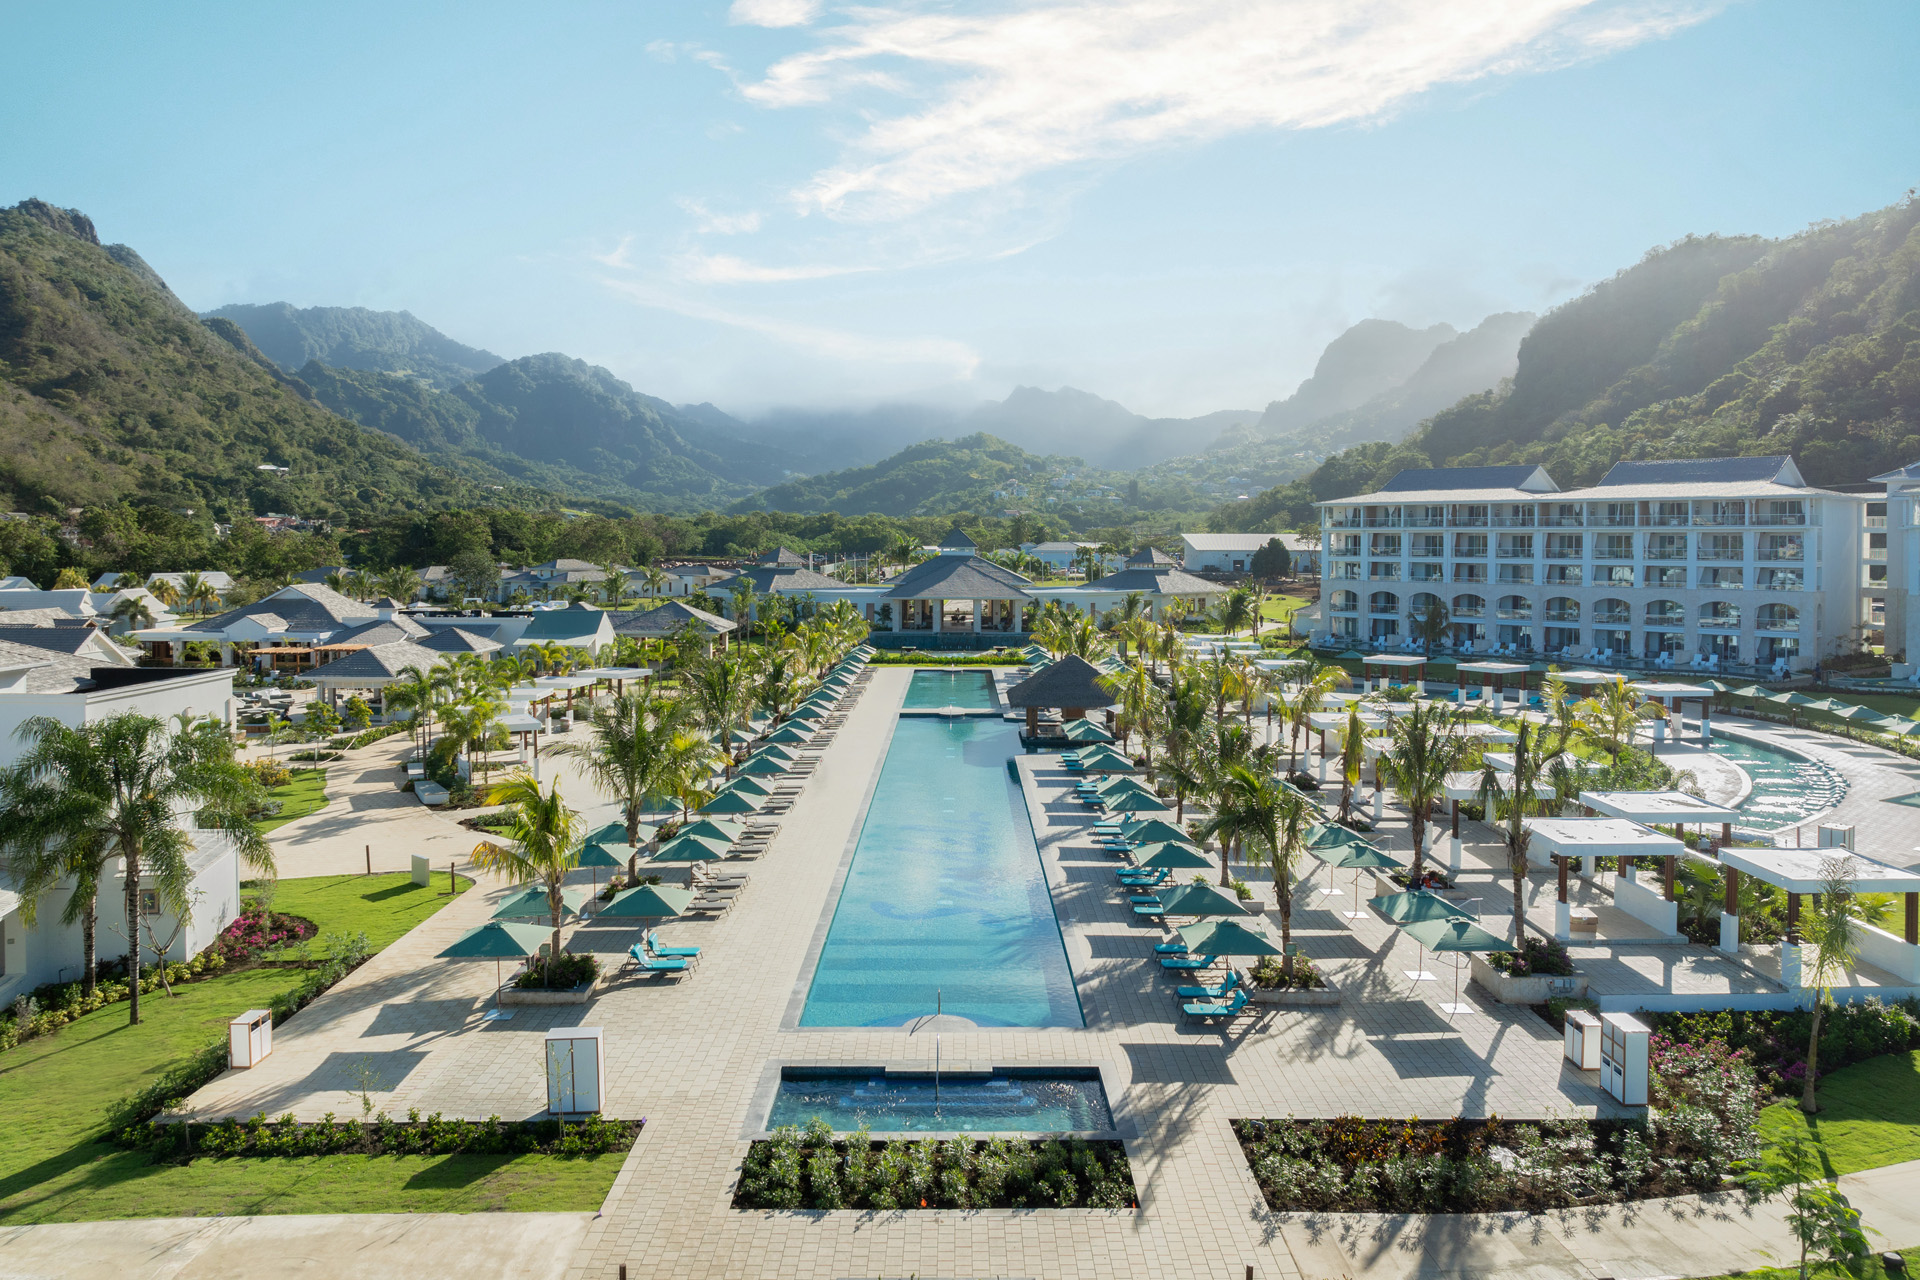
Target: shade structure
1455 934
498 940
1331 835
807 713
734 738
646 902
1857 712
732 802
1902 728
685 848
1153 830
593 854
1168 855
1122 785
1199 900
776 751
1416 907
787 734
1353 857
1795 700
1104 760
614 833
1717 686
1136 802
751 785
532 904
1084 730
761 767
1224 938
713 829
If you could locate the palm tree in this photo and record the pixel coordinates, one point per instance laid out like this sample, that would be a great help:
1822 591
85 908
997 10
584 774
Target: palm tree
70 579
720 692
132 611
415 693
777 686
196 593
1313 683
164 590
338 581
1533 760
465 727
636 752
1273 821
1427 746
1229 751
1610 718
1234 611
1185 726
1353 753
546 836
1138 698
117 789
745 604
1428 625
401 583
1833 937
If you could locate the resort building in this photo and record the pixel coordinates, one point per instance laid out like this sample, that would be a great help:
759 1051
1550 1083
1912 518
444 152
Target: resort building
1058 555
1153 574
1221 552
1736 560
1892 572
579 625
281 629
669 619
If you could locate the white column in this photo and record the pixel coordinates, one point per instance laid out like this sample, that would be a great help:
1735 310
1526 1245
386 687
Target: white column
1563 921
1730 934
976 617
939 621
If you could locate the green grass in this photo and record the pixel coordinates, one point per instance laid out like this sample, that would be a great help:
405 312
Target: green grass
385 906
1869 1115
1870 1269
54 1093
306 794
1280 608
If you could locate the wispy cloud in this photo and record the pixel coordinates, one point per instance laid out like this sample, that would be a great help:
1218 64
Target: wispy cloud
724 268
995 98
708 222
938 356
773 13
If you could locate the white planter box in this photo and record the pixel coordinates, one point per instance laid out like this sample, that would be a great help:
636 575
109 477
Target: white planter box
538 995
1529 990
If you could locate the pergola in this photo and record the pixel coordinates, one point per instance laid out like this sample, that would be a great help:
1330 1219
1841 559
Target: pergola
1494 677
1335 722
1804 871
1393 668
618 675
1565 839
1671 695
1465 785
1674 809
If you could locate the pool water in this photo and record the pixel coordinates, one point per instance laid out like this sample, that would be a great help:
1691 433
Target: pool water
945 901
1007 1101
968 690
1787 789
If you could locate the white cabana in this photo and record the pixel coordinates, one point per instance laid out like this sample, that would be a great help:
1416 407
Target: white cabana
1660 808
1804 871
1394 668
1565 839
1493 677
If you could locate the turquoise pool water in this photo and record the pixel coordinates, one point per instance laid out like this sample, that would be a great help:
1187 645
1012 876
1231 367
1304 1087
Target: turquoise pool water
1007 1101
1787 789
970 690
945 898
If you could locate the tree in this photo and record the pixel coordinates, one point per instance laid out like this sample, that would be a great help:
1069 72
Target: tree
1235 611
1610 719
1427 746
1820 1217
116 789
355 714
1312 683
546 836
401 583
1272 820
132 612
70 579
1428 625
475 572
1353 755
655 579
1533 758
745 604
720 692
164 590
465 727
1272 560
1832 932
635 753
197 593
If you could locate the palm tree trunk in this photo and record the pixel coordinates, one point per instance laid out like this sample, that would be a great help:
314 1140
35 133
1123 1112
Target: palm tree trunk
1419 827
1519 900
1809 1103
1285 903
90 960
133 937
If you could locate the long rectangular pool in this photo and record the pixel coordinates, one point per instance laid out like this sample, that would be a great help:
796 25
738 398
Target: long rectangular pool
1009 1100
967 690
945 899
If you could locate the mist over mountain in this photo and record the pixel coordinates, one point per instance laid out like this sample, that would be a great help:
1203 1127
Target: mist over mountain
356 338
1369 359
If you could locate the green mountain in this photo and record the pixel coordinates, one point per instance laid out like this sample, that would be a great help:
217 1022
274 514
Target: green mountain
112 389
975 472
356 338
1713 346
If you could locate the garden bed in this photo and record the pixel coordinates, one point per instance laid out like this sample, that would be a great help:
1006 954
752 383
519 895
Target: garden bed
383 1136
812 1169
1308 988
1534 989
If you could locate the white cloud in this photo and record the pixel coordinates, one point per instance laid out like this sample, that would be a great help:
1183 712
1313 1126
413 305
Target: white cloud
724 224
943 357
1002 96
773 13
724 268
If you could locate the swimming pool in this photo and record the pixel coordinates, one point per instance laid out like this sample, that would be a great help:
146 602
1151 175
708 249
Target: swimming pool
945 899
968 690
1009 1100
1787 789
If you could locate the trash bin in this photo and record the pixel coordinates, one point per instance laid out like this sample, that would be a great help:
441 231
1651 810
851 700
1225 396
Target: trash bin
1583 1040
422 873
1623 1057
250 1038
576 1070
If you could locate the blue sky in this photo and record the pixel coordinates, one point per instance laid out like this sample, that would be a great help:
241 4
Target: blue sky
1171 204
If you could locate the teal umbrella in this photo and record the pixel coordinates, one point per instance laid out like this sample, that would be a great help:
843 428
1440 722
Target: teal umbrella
614 833
498 940
749 784
1153 831
1856 712
1104 760
1331 835
1354 858
713 829
1416 907
595 856
647 902
761 767
808 714
1136 802
735 738
1173 857
786 734
692 849
776 751
1084 731
1455 936
1121 784
531 904
1199 900
732 802
1224 938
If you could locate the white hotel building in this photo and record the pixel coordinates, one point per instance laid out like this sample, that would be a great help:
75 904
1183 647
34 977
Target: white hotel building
1738 557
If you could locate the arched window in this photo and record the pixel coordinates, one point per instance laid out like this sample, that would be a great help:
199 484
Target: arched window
1469 606
1345 602
1515 607
1424 601
1613 613
1720 613
1777 617
1665 613
1383 602
1563 609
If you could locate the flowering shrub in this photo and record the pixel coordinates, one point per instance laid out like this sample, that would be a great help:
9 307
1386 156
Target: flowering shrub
565 972
1537 958
1775 1043
256 930
1268 975
271 773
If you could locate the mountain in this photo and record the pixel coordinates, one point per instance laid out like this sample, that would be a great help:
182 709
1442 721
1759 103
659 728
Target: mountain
1712 346
356 338
1368 360
930 478
112 389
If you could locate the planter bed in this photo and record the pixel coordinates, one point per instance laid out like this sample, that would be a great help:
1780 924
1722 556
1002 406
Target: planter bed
815 1169
581 994
1531 989
1295 997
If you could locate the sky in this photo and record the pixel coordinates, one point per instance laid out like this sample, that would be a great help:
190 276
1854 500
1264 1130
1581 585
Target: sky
801 203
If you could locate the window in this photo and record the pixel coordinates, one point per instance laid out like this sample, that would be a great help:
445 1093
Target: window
1470 516
1781 546
1516 546
1383 602
1562 609
1723 546
1383 569
1665 613
1666 546
1672 513
1720 613
1564 575
1386 544
1776 617
1722 579
1564 546
1612 575
1429 545
1613 613
1345 602
1676 578
1469 573
1424 601
1659 642
1470 546
1613 546
1876 546
149 902
1522 573
1615 515
1469 606
1779 580
1428 572
1515 607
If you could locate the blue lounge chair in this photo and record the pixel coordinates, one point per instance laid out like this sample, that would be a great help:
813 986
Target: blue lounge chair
1157 910
1145 900
1217 990
1215 1009
1152 875
652 939
1187 964
638 957
1170 948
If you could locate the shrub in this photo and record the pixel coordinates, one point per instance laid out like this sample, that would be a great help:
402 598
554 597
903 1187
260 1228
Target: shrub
384 1136
1775 1042
355 714
809 1169
567 970
271 773
257 929
1269 976
1537 957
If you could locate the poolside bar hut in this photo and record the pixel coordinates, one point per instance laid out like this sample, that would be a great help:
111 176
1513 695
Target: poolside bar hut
1494 677
1804 871
1565 839
1393 668
1071 685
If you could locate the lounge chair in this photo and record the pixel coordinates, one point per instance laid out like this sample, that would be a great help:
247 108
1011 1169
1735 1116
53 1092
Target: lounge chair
1215 1009
638 958
1170 948
652 939
1215 992
1187 964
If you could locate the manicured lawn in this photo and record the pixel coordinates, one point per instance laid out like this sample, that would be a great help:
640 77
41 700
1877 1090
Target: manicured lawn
54 1093
1870 1269
304 795
1869 1116
385 906
1280 608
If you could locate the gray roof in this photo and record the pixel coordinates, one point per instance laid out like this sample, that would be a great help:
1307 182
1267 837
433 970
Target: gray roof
1148 557
1434 478
380 631
305 606
957 538
1777 468
768 579
37 617
953 577
1909 472
1069 683
570 623
458 640
1167 581
563 564
74 640
378 662
665 619
52 672
781 556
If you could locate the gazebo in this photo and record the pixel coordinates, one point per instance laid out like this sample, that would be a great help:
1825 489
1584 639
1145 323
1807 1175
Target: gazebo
1674 809
1394 668
1072 685
996 597
1804 871
1493 677
1568 838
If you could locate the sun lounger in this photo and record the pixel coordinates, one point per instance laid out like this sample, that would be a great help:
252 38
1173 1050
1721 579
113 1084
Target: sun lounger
1215 1009
652 939
1215 992
1186 964
1170 948
638 958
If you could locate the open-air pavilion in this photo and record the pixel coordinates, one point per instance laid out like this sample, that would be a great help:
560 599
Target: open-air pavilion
1801 872
1673 696
1071 686
1494 678
1565 839
1393 669
1674 809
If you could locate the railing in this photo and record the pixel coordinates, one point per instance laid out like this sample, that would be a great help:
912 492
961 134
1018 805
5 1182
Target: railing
1383 573
1514 615
1561 575
1467 522
1667 522
1469 573
1610 620
1612 522
1351 522
1719 522
1876 522
1564 553
1562 522
1561 615
1781 553
1605 577
1429 573
1778 521
1877 555
1613 553
1722 553
1381 522
1469 612
1666 620
1720 624
1426 522
1781 584
1516 552
1777 624
1513 522
1666 553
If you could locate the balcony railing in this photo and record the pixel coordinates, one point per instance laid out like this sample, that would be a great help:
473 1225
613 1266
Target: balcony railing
1719 522
1720 624
1782 583
1383 572
1513 522
1381 522
1666 553
1561 615
1467 522
1876 522
1612 620
1514 615
1428 573
1469 612
1666 620
1469 573
1781 553
1611 522
1721 553
1563 553
1777 521
1777 624
1349 522
1562 522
